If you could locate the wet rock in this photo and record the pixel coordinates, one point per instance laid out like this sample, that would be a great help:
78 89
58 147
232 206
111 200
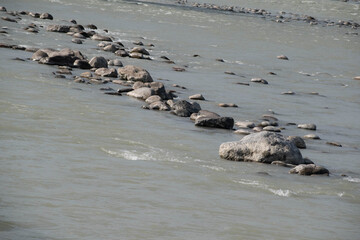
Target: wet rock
257 129
111 48
242 132
336 144
229 73
264 147
64 57
271 129
8 19
77 41
58 28
227 105
312 136
357 78
2 9
78 35
184 108
309 169
139 50
141 93
241 83
106 72
298 141
259 80
219 122
82 64
308 161
46 16
159 105
204 113
282 57
245 124
154 98
283 164
98 62
124 90
86 74
139 56
179 69
139 43
133 73
308 126
288 93
60 76
159 89
91 26
197 97
98 37
219 60
73 21
115 62
122 53
178 86
42 53
64 71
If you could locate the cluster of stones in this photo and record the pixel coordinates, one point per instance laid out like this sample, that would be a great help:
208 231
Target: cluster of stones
280 17
263 142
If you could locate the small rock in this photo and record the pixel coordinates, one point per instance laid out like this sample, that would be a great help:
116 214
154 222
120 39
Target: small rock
133 73
197 97
111 48
82 64
91 26
282 57
228 105
219 60
139 43
334 144
86 74
179 69
77 41
242 132
58 28
8 19
357 78
298 141
245 124
230 73
2 9
141 93
245 84
309 169
46 16
98 37
159 105
184 108
312 136
122 53
115 62
204 113
139 50
220 122
288 93
154 98
308 126
269 117
259 80
98 62
64 71
271 129
178 86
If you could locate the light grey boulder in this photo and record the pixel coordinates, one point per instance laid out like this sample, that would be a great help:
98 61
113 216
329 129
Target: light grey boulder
141 93
264 147
309 169
154 98
139 50
204 113
106 72
98 37
159 105
133 73
197 97
98 62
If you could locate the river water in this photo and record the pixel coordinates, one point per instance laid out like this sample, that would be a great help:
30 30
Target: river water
79 164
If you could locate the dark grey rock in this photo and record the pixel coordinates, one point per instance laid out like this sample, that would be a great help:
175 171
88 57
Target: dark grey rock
82 64
309 169
183 108
220 122
98 62
133 73
298 141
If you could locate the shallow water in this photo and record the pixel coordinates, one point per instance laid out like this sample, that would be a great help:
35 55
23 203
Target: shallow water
79 164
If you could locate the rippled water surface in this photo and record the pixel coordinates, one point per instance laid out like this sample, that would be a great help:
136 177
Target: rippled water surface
78 164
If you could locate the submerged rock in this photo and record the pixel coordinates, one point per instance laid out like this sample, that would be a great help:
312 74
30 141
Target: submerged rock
259 80
264 147
309 169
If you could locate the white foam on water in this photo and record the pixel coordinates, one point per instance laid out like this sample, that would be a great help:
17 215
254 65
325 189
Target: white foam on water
215 168
280 192
351 179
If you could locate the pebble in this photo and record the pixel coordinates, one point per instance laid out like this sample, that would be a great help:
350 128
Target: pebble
179 69
334 144
357 78
259 80
230 73
288 93
77 41
312 136
271 129
228 105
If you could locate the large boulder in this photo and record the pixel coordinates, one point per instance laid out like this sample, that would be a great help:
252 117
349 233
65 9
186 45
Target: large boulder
133 73
309 169
64 57
264 147
141 93
183 108
98 62
218 122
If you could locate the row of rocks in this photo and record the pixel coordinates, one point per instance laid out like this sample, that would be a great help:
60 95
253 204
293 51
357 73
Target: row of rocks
280 17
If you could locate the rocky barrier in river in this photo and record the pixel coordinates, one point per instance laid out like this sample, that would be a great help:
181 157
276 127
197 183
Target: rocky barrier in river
263 142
